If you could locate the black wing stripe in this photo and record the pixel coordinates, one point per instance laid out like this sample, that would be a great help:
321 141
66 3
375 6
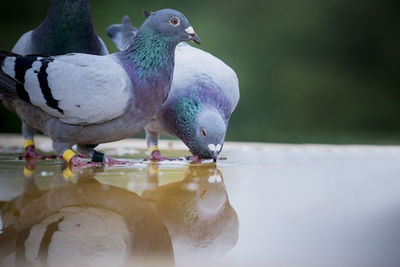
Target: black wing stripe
44 85
21 66
45 243
20 247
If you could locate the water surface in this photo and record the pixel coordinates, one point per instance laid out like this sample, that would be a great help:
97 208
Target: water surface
265 205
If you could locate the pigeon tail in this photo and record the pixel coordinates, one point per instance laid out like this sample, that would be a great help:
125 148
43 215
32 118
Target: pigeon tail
7 85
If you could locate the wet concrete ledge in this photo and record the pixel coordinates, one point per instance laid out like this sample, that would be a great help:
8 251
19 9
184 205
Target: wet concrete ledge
43 143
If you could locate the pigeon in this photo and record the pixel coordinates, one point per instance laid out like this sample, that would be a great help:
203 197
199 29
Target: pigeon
89 99
81 223
67 28
196 210
204 93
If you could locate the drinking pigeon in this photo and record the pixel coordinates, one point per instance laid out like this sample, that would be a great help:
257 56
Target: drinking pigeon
204 93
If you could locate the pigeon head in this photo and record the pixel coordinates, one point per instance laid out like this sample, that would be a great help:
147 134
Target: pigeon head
198 116
208 135
202 128
171 24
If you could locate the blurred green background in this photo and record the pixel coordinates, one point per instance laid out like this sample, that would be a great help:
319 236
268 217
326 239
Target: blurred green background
310 71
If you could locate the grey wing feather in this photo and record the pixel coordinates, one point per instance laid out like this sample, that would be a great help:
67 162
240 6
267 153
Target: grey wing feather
115 33
122 34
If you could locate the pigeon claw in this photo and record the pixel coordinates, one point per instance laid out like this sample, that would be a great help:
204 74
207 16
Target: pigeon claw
112 161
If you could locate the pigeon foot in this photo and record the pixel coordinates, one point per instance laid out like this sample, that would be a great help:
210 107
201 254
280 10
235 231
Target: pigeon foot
112 161
77 161
31 154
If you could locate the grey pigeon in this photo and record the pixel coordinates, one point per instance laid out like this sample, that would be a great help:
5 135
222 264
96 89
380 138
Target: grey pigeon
82 223
67 28
87 99
196 210
204 93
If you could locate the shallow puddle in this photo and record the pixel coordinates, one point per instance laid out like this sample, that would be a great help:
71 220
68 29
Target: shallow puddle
265 205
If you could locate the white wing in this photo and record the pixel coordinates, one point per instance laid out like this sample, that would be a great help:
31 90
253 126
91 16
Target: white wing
78 88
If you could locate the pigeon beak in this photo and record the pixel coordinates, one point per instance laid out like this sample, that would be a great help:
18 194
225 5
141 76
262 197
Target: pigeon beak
192 35
214 155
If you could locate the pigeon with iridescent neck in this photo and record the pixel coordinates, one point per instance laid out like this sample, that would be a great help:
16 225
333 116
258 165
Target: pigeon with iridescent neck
204 93
86 99
67 28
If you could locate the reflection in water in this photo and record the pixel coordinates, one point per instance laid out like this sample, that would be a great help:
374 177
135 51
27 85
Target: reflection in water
84 223
196 211
87 223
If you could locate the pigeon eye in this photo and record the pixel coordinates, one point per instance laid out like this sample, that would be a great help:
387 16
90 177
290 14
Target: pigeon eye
175 21
203 132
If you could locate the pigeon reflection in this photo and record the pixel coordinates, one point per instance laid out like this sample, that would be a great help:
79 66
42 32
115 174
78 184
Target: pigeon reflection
196 211
81 224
